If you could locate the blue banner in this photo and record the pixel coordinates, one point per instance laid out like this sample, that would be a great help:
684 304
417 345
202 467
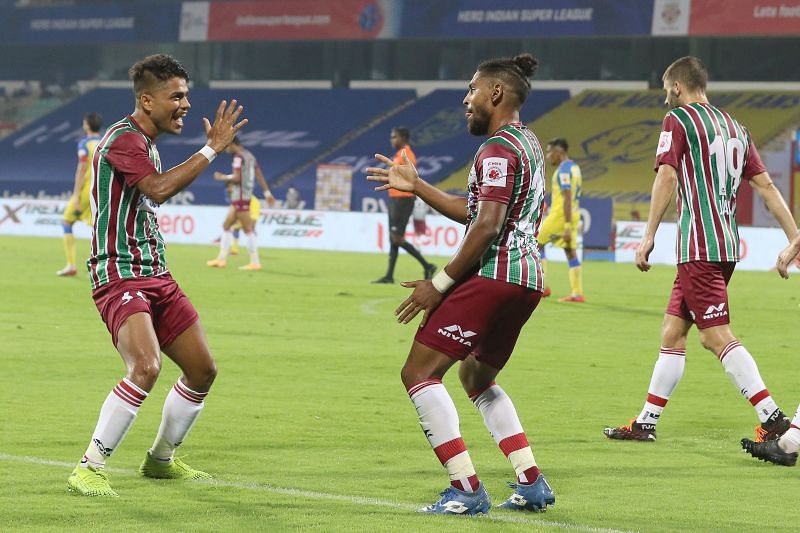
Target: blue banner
525 18
96 23
288 128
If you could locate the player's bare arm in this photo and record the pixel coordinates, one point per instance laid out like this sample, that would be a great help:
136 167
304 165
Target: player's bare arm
426 297
661 196
270 199
80 180
775 203
161 187
405 178
566 194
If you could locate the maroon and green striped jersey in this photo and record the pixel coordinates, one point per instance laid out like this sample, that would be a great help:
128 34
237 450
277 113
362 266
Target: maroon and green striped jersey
126 242
509 168
712 153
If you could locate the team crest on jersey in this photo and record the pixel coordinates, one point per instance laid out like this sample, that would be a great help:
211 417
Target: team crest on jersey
664 142
494 171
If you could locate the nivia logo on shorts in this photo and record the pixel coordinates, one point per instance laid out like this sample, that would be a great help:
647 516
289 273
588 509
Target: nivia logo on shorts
715 311
457 334
127 297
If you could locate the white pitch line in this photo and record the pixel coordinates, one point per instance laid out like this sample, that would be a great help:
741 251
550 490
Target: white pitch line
368 307
310 494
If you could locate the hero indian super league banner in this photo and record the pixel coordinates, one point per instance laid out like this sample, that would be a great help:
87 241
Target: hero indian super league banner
525 18
95 23
288 20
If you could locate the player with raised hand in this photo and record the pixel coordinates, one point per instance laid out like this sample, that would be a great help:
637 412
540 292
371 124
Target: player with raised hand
143 308
474 308
704 153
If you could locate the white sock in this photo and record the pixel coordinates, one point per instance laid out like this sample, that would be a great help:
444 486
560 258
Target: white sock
252 248
225 243
743 372
116 418
181 409
667 373
790 441
439 421
502 421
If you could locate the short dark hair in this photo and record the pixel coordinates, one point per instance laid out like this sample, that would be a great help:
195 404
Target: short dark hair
402 132
560 142
688 70
155 69
513 71
94 120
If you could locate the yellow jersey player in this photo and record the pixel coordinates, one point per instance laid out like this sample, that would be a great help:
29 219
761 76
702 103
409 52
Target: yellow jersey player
560 227
78 205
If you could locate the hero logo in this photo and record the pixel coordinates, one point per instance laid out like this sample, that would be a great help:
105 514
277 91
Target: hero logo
715 311
457 334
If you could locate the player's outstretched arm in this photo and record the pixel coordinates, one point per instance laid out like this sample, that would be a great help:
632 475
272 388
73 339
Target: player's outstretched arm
663 189
775 203
161 187
405 178
428 294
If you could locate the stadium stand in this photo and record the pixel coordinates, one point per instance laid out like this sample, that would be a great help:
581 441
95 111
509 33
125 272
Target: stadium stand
287 128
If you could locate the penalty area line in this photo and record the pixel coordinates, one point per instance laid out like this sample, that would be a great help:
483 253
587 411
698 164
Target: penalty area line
315 495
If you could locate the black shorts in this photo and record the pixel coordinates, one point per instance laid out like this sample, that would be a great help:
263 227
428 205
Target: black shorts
400 210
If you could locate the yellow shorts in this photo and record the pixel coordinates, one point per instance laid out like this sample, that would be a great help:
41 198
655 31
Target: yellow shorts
552 231
255 212
81 212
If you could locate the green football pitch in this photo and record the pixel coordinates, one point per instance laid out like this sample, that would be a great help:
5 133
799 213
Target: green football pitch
309 428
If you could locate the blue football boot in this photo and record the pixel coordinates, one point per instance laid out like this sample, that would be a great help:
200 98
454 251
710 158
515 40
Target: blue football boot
535 497
454 501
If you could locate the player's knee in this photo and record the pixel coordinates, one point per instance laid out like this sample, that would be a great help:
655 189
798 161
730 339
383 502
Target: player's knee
713 343
202 377
397 239
145 372
410 375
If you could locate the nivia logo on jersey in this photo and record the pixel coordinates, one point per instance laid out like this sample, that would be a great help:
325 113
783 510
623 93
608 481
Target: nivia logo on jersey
457 334
715 311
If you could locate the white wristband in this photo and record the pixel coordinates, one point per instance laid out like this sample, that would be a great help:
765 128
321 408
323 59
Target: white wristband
208 153
442 282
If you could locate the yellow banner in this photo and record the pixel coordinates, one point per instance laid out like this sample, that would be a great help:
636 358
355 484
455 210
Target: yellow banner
613 136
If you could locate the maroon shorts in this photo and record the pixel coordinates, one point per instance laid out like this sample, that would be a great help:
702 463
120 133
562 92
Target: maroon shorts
700 293
481 316
160 297
241 206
